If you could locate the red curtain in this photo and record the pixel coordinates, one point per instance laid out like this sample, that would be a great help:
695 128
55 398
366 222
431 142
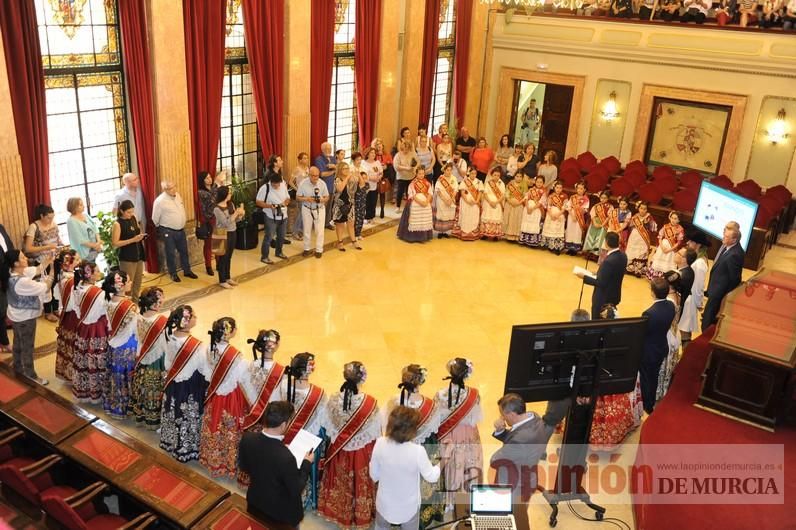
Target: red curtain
264 25
133 22
366 66
205 25
26 82
430 51
464 18
321 62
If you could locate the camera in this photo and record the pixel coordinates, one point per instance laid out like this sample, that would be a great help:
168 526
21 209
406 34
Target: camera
278 212
317 195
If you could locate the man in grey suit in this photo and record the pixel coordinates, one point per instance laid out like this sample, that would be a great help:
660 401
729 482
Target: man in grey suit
524 440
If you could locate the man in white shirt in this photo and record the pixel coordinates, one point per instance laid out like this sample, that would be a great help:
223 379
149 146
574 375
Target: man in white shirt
168 214
131 191
312 195
273 198
459 166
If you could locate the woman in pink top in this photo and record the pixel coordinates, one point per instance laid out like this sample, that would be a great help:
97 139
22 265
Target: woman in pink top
481 158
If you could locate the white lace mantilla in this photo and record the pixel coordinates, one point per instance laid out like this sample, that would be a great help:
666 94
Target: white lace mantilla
98 309
472 418
336 418
318 419
158 348
126 329
415 400
238 372
254 379
197 362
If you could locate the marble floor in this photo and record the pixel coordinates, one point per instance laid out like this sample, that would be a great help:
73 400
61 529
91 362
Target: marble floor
395 303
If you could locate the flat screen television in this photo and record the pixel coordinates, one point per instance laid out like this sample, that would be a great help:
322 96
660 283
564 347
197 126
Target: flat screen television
542 357
716 206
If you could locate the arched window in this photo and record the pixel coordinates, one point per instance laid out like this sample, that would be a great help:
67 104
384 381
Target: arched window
343 101
443 73
85 96
239 151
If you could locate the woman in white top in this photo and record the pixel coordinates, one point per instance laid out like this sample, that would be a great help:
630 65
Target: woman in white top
397 465
514 158
25 297
300 172
492 200
445 191
689 320
147 387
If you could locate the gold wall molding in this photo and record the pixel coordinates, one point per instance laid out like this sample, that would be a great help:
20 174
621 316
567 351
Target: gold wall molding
174 164
13 205
698 43
650 92
620 37
505 98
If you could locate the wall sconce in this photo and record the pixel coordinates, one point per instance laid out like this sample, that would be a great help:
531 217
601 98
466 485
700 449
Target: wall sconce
609 111
778 132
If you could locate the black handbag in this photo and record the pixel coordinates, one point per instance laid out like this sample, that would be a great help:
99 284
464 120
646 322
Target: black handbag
203 231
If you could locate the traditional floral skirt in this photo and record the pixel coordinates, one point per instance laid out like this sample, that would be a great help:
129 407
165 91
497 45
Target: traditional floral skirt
89 361
222 429
181 420
348 495
554 243
359 210
613 421
462 462
594 239
67 334
416 223
432 501
512 222
117 391
147 394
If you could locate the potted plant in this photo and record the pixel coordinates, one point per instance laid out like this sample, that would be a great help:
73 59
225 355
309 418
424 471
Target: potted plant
243 192
109 253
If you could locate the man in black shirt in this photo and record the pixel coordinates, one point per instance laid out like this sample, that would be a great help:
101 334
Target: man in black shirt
465 143
276 481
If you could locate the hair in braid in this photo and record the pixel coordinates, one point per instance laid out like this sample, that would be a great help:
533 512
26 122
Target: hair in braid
261 343
178 319
459 370
221 330
354 373
301 365
150 297
112 281
412 376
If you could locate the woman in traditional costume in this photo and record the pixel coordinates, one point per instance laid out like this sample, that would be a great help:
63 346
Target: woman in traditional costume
460 444
89 357
689 320
412 378
445 201
492 205
226 405
347 496
639 242
67 320
577 219
147 387
600 215
533 214
619 222
553 231
468 218
516 190
417 219
670 240
122 344
673 338
261 382
184 388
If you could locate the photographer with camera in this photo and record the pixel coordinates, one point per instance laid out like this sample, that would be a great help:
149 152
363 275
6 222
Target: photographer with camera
313 195
273 198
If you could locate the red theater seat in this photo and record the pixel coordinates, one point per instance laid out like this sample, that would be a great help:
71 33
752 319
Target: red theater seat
612 164
663 171
622 187
781 193
771 204
6 438
78 512
691 180
722 181
764 218
749 189
667 184
587 161
685 200
596 182
569 177
637 178
569 163
650 193
637 165
33 480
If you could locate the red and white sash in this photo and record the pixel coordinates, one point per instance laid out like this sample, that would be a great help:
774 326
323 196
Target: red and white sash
516 194
184 354
471 187
577 202
117 314
66 296
257 410
425 409
458 414
671 234
221 370
355 423
421 186
602 210
91 295
557 200
640 226
304 413
152 334
448 188
536 195
496 190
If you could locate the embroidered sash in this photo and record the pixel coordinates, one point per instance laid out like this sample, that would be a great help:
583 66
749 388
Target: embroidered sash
448 188
576 202
496 190
421 186
354 424
641 227
184 354
425 409
117 315
257 410
516 194
152 334
536 195
458 414
92 294
613 220
221 370
603 211
557 200
471 188
66 295
304 413
671 234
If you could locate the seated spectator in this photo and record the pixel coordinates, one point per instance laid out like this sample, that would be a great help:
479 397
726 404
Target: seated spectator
771 14
669 10
597 8
644 9
621 8
696 10
789 16
727 12
748 13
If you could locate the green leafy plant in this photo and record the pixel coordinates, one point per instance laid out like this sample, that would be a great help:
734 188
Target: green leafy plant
111 255
243 192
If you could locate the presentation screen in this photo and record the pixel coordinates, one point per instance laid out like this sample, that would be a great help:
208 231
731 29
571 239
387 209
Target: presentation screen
716 206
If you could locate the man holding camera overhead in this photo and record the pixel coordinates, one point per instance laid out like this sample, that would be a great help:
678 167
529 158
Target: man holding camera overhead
313 195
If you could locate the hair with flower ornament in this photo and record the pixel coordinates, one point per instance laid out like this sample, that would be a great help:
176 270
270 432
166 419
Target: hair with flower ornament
65 261
412 376
267 342
85 272
459 370
221 331
179 319
150 298
354 374
114 283
301 366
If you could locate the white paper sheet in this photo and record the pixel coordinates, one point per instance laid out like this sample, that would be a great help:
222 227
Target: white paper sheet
580 270
303 443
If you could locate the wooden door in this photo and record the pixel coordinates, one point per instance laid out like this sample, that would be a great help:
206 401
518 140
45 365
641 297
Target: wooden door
555 119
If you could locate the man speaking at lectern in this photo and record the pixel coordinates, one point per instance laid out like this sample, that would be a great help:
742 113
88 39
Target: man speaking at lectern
608 282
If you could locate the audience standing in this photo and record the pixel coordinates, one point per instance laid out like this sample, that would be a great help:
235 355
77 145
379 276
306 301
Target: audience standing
273 198
127 236
404 162
207 188
313 196
481 158
227 217
42 240
656 345
131 191
375 172
168 215
6 244
300 173
82 230
465 144
326 164
345 188
698 242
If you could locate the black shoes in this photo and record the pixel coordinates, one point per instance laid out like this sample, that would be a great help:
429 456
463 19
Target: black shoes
190 274
281 256
209 271
175 278
319 255
306 253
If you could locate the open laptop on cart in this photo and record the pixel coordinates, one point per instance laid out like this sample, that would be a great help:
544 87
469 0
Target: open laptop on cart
490 507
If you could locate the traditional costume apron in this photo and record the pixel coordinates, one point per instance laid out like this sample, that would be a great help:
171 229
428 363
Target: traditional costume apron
578 207
89 358
492 217
147 393
417 221
122 352
66 330
444 215
532 218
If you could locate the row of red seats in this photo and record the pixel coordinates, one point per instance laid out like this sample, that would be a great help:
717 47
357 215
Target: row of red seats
665 183
30 482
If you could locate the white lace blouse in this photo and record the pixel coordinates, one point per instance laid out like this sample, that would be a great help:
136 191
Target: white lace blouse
336 418
472 418
97 311
158 348
254 379
197 362
415 400
318 419
237 373
127 328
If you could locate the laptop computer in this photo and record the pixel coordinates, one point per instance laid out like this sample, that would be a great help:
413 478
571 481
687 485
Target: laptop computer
490 507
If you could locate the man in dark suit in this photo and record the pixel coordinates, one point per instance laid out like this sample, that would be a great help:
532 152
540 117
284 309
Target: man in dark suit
6 244
659 319
725 274
682 278
276 481
524 440
608 282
